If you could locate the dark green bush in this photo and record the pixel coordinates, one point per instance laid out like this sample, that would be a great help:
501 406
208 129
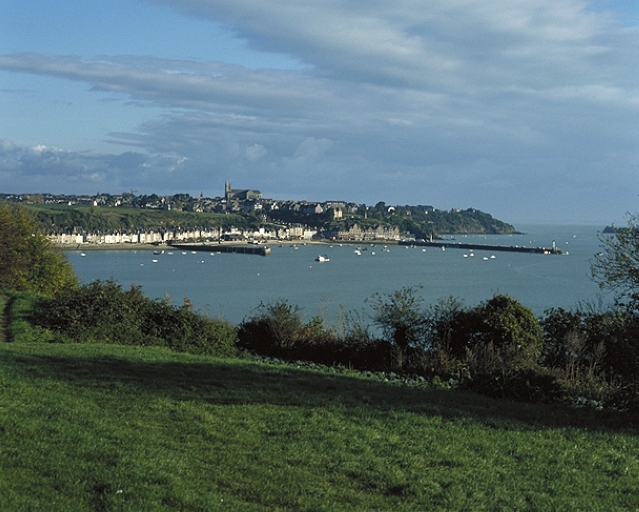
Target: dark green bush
102 312
593 343
532 385
277 328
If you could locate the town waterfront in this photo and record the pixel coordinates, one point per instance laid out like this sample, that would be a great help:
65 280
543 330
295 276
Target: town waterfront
231 286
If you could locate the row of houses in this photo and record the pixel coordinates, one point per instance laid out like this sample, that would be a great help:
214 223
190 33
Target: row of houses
292 232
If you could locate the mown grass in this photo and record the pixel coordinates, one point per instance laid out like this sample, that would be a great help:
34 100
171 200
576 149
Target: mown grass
103 427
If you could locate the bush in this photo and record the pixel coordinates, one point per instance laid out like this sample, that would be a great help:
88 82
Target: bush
279 328
501 322
102 312
593 345
401 317
532 385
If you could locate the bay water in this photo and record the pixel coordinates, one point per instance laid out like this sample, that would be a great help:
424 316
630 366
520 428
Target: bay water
232 286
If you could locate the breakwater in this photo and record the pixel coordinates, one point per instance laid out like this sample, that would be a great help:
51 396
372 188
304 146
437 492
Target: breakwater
485 247
259 250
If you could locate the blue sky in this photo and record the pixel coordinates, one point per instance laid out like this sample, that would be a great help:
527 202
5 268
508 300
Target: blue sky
526 109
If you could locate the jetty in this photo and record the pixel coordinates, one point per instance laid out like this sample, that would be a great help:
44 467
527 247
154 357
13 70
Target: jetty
259 250
483 247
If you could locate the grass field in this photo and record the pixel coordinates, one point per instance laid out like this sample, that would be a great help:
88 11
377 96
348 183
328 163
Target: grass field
97 427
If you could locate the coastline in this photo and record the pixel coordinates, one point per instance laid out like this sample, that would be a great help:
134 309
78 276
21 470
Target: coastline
160 247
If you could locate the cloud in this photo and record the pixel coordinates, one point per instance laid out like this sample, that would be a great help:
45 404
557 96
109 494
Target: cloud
49 169
457 101
255 152
128 161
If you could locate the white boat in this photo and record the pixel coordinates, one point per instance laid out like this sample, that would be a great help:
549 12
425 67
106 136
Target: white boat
322 259
358 252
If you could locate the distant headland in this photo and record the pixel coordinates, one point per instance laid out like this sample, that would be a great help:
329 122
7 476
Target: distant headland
241 215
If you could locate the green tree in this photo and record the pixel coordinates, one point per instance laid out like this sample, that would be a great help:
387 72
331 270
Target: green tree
28 261
616 267
506 323
501 322
401 317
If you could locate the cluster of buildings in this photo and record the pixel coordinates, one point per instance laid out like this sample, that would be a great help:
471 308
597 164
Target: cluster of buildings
234 201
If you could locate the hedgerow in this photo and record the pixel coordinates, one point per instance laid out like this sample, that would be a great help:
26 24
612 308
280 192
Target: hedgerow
103 312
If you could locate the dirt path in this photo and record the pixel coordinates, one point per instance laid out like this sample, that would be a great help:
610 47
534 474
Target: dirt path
3 320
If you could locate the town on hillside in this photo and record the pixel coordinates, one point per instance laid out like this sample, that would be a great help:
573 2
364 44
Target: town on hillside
241 215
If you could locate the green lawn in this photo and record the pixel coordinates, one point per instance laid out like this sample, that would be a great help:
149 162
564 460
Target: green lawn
97 427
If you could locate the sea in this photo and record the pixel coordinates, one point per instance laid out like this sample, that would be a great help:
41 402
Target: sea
233 286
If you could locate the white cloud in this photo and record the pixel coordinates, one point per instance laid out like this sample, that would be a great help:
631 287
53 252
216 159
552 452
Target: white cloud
405 98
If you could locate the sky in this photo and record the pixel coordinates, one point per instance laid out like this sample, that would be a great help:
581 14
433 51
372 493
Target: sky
524 109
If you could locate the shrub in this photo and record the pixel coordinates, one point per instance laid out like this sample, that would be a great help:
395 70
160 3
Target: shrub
532 385
590 346
279 329
401 317
103 312
501 322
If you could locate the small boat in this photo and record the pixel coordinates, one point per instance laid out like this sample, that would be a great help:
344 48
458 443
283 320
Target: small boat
322 258
358 252
157 253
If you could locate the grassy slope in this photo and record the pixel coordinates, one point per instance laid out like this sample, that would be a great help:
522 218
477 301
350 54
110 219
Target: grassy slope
95 427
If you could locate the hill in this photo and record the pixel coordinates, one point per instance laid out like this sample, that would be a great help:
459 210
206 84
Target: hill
104 427
420 221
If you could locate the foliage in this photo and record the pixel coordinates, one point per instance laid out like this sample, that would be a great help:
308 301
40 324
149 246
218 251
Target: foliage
27 259
400 315
530 385
501 321
506 323
592 345
617 266
103 312
279 326
420 220
66 219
